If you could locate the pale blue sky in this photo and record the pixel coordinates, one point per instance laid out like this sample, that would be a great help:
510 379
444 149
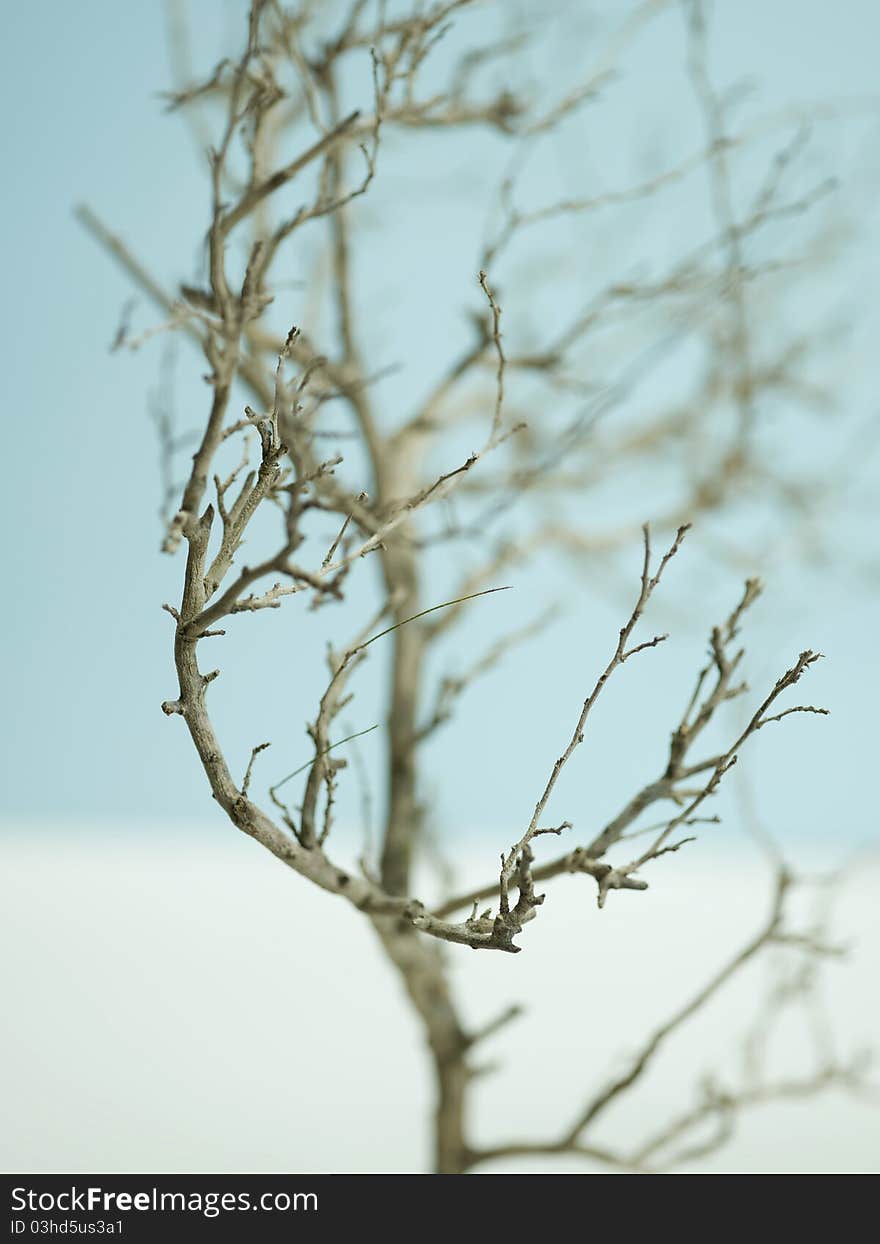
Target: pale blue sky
86 649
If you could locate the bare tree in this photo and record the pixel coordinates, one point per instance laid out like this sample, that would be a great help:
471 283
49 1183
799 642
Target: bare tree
291 154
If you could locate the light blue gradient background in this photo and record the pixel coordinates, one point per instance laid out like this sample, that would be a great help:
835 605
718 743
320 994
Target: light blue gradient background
86 649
